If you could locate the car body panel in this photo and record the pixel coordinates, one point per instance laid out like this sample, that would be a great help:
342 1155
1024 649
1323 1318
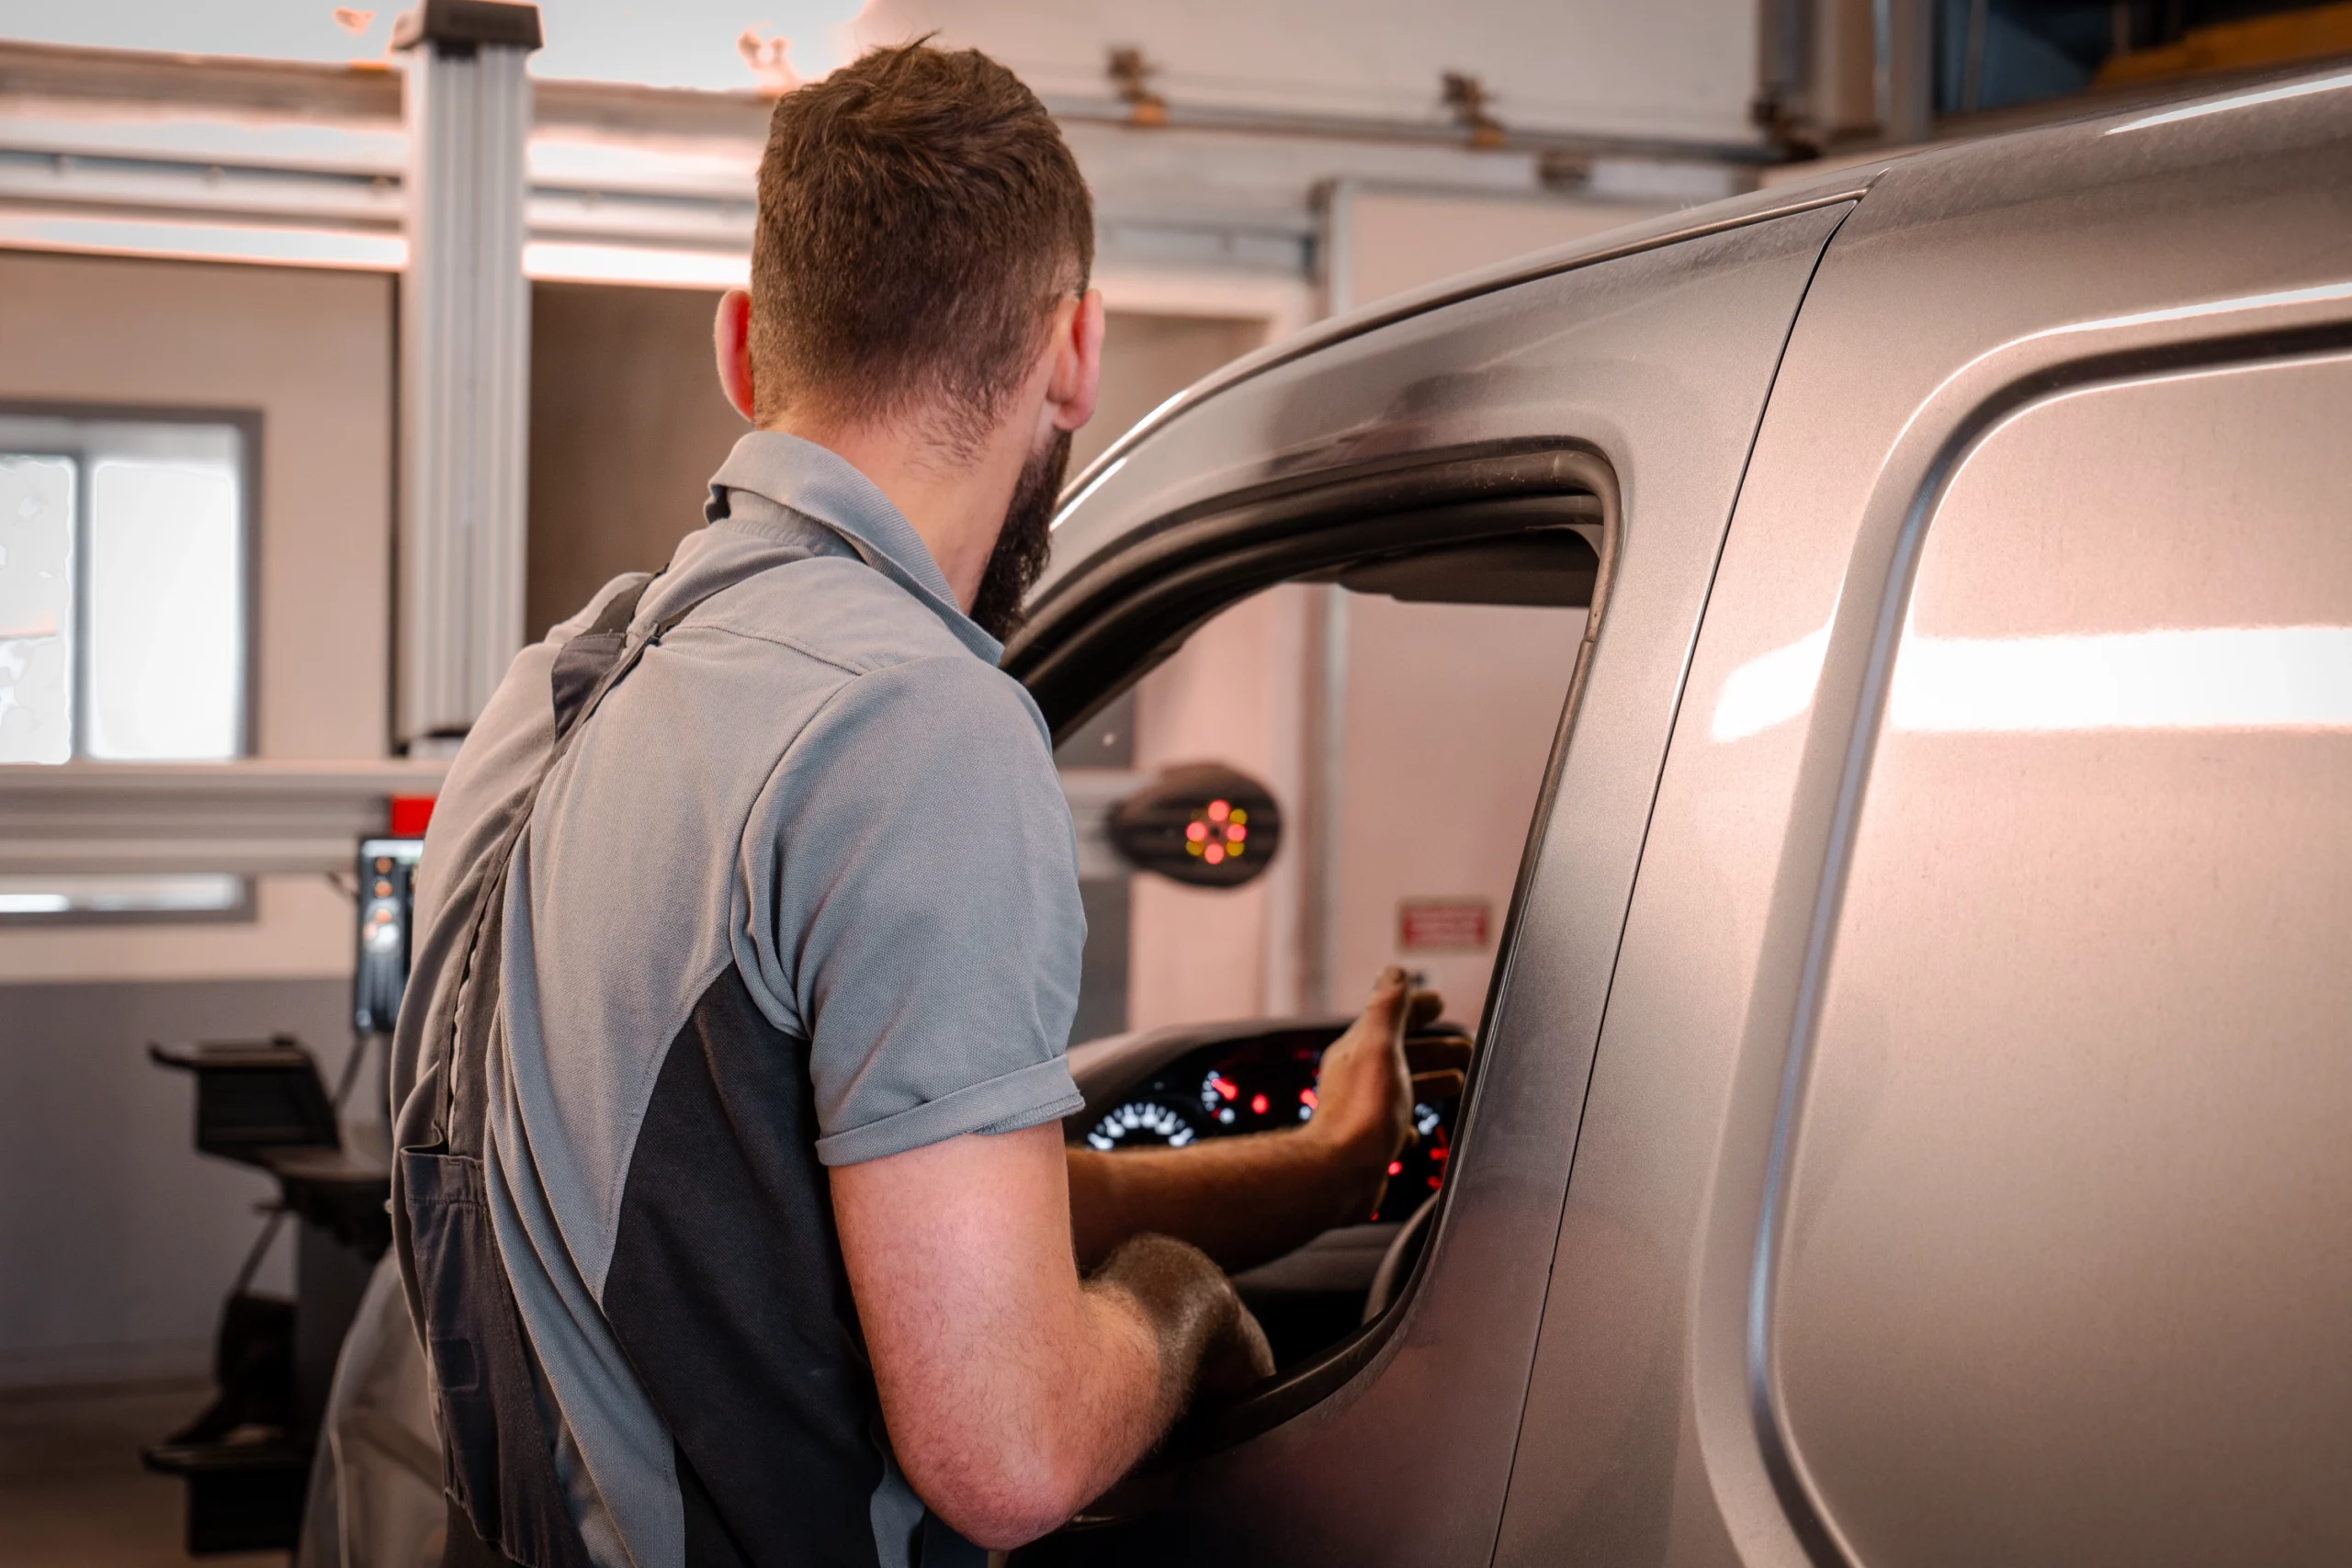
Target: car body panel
1667 1422
1109 515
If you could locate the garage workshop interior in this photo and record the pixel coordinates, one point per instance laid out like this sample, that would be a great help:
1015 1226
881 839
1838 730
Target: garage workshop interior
1791 559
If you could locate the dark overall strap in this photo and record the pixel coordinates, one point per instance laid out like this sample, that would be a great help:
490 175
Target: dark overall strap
586 667
505 1503
582 662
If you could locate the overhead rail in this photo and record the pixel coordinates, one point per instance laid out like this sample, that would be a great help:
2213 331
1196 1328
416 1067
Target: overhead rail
1485 136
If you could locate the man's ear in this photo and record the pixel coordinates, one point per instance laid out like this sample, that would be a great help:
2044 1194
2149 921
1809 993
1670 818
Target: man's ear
1077 361
731 336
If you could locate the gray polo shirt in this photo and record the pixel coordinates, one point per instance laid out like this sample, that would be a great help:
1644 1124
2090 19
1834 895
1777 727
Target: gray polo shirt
804 889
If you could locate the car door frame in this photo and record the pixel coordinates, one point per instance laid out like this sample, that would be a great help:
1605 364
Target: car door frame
1658 365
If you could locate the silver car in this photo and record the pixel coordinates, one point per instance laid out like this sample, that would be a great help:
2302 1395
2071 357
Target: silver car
1911 1116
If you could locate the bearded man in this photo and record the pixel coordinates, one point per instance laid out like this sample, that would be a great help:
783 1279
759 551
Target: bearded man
802 1268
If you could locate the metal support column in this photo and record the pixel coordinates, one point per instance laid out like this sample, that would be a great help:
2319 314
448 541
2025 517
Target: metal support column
1905 73
465 361
1326 671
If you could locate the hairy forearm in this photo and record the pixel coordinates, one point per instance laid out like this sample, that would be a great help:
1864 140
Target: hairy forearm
1190 1311
1012 1391
1074 1401
1242 1201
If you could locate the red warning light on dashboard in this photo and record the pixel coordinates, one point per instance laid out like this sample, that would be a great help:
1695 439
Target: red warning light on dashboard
1443 925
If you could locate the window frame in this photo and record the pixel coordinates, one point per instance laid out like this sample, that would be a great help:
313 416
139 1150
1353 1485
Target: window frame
1134 603
247 423
244 911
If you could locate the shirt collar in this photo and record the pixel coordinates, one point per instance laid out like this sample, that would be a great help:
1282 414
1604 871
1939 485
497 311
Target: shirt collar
821 484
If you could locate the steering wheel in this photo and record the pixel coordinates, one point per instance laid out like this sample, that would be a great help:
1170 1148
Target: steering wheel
1396 1263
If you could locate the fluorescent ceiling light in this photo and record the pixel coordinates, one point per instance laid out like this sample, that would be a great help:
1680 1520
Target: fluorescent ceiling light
565 261
264 243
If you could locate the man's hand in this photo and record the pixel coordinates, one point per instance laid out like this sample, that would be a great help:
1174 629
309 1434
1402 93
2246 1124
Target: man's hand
1246 1201
1013 1393
1366 1090
1209 1326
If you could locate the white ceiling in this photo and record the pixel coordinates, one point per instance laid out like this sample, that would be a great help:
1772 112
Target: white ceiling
1669 67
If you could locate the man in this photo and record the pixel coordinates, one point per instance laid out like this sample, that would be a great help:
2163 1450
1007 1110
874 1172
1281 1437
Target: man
791 945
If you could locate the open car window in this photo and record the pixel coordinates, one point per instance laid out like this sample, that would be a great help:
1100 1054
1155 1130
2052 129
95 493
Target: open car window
1397 690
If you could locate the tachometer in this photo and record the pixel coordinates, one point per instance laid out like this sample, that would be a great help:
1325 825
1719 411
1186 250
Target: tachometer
1143 1123
1418 1168
1251 1095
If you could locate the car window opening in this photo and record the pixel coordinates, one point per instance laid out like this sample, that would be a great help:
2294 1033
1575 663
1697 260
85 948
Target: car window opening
1475 628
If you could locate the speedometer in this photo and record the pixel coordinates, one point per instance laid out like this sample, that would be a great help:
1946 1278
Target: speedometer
1143 1123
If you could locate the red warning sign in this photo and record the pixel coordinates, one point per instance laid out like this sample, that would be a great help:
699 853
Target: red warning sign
1443 925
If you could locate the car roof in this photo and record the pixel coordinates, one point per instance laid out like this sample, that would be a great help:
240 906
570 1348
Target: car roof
2180 123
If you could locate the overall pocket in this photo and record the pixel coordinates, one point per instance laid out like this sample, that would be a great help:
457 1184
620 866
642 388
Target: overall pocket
501 1460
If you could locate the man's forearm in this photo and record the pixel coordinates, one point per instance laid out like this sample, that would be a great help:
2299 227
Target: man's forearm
1241 1201
1249 1200
1012 1391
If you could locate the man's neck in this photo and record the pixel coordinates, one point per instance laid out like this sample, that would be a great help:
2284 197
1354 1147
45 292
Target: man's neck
956 507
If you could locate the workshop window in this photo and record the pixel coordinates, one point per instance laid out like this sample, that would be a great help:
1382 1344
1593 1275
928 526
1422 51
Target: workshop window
124 556
125 574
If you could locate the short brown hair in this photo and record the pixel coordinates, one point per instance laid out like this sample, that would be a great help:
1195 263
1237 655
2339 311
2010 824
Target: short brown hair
919 216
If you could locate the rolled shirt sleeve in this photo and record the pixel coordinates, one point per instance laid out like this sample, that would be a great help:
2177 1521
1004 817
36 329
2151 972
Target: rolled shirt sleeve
912 909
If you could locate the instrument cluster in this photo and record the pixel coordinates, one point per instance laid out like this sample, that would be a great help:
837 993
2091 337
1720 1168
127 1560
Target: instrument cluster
1261 1086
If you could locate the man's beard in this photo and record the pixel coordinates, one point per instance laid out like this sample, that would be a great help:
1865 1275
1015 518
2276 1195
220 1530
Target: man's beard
1026 542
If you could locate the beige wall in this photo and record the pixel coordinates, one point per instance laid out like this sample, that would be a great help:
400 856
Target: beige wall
1232 695
1148 358
1450 715
1392 239
628 425
312 352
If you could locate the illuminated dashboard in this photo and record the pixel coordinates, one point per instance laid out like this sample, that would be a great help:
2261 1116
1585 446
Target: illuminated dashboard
1260 1085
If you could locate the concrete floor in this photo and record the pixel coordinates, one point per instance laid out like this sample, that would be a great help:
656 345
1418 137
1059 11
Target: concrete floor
72 1493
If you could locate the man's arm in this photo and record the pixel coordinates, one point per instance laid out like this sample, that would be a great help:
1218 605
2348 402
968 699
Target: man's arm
1246 1201
1013 1392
